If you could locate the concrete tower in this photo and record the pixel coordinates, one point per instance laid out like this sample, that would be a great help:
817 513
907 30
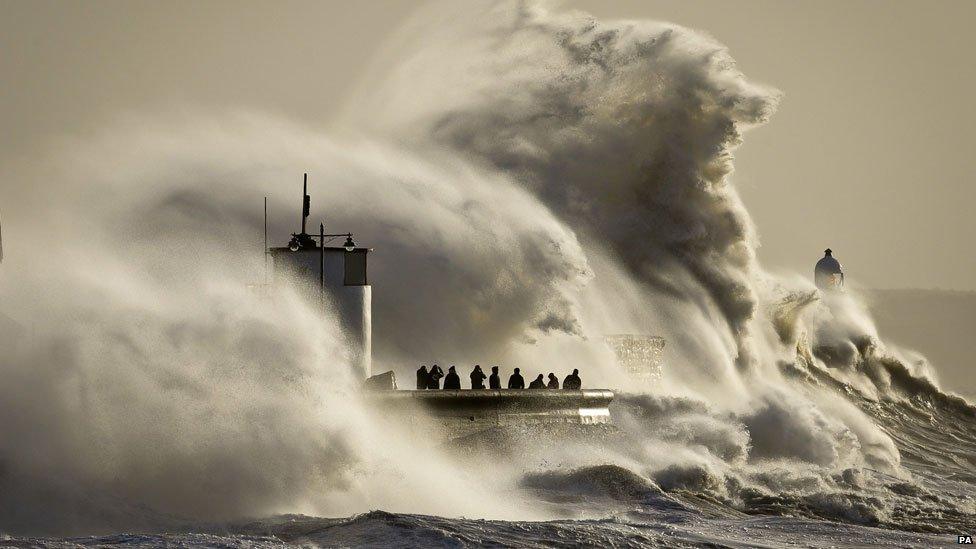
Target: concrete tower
334 276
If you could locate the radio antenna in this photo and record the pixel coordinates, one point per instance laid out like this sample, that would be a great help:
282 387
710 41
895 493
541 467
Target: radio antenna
306 202
302 240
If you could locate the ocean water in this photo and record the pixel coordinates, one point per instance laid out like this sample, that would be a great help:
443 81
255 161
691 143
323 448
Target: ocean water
610 505
639 528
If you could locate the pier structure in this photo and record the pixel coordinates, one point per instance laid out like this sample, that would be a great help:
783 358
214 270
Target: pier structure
336 276
640 355
466 412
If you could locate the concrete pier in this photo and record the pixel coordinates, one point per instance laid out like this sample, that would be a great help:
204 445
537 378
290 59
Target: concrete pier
469 411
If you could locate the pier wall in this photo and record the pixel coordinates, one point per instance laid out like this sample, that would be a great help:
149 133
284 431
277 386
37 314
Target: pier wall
470 411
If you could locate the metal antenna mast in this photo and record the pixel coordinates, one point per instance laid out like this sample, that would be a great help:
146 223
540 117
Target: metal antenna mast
306 202
322 259
302 240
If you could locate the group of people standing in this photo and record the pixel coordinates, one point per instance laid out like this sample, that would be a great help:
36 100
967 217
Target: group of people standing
431 379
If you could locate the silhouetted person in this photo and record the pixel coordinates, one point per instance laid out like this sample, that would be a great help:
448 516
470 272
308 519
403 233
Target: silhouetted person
516 381
537 383
573 381
435 376
452 382
478 378
494 382
553 381
423 378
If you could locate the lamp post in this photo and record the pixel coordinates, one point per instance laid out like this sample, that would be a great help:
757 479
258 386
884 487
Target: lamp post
348 245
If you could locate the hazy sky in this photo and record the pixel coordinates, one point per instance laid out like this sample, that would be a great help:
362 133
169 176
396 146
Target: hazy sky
871 153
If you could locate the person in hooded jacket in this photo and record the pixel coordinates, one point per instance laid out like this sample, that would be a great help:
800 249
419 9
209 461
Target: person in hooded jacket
452 382
537 383
573 381
553 381
478 378
423 378
494 382
515 381
435 376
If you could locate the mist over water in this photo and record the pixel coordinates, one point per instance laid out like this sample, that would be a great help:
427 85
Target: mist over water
530 181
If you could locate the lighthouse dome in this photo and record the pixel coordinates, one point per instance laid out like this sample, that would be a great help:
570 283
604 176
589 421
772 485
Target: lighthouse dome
828 264
828 273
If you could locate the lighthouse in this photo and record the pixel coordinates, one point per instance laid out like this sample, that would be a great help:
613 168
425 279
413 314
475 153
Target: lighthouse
827 274
332 275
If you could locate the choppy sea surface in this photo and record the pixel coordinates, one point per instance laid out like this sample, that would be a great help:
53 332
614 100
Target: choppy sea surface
612 506
644 526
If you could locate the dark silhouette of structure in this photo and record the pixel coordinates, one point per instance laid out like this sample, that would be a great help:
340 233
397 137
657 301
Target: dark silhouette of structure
435 376
330 275
516 381
305 241
537 383
380 382
464 413
452 382
478 378
573 381
828 274
494 382
553 381
423 378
